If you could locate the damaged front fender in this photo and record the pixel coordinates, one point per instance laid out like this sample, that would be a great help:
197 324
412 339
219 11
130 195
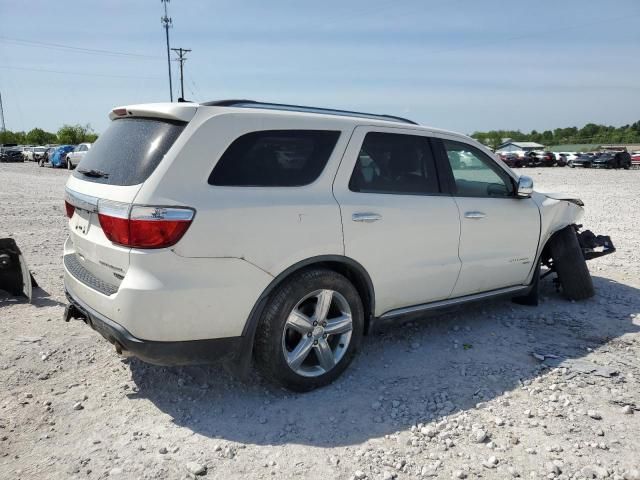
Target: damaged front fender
556 212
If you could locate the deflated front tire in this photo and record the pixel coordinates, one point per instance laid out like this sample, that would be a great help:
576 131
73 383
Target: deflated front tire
570 265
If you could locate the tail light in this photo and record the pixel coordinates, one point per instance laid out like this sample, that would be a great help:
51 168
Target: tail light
141 226
69 208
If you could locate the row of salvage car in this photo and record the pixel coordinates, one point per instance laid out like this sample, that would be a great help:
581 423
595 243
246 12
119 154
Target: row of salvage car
605 159
57 156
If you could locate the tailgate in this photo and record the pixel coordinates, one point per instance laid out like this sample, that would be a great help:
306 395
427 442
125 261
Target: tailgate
93 252
108 179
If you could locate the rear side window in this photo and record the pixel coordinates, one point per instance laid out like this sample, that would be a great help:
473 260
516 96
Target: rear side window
275 158
394 163
128 151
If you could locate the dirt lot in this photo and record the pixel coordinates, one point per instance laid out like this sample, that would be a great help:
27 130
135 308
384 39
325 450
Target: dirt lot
459 395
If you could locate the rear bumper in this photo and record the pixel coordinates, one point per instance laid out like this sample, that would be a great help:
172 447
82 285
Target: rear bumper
168 298
192 352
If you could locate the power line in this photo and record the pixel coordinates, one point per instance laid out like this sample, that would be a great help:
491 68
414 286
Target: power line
166 23
198 93
84 74
59 46
182 57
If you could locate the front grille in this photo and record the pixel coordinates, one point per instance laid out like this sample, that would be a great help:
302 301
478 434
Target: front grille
83 275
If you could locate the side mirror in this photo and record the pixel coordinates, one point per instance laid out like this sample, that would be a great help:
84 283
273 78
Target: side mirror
525 186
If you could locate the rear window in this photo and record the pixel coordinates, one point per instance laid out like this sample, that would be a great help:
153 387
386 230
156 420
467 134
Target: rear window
275 158
128 151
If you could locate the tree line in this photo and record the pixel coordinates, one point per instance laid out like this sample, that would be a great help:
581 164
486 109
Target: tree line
590 133
66 135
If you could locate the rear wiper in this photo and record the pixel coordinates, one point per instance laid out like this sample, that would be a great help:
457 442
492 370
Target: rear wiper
94 173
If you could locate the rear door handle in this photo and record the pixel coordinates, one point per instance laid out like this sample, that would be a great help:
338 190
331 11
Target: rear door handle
475 214
367 217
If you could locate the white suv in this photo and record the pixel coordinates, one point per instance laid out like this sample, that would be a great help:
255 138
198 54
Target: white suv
243 230
77 154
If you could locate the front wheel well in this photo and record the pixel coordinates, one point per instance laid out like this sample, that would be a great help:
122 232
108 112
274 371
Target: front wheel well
546 256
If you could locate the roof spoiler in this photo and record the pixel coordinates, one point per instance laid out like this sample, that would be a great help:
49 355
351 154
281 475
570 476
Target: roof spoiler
182 112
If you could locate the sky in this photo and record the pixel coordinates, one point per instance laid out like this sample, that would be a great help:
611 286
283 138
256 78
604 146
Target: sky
463 65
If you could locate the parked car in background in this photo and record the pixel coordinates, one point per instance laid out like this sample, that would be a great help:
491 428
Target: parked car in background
561 160
58 159
635 159
78 153
514 161
542 159
47 153
583 160
612 160
27 153
38 152
11 154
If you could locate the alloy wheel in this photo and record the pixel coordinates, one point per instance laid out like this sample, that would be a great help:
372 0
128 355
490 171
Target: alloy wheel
317 333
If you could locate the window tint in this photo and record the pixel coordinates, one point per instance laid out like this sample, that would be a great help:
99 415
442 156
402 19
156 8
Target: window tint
128 151
394 163
475 174
275 158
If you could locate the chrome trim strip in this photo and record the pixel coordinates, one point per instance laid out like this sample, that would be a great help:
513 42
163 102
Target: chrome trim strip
81 201
452 301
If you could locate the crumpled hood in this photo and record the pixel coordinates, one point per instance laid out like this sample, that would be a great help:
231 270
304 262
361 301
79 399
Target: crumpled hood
565 197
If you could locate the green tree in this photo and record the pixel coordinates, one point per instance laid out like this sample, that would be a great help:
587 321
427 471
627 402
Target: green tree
12 137
74 134
38 136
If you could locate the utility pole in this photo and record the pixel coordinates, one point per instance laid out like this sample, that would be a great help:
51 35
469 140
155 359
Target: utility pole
2 125
182 57
166 23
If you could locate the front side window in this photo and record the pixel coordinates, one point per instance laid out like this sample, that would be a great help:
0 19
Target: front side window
475 174
394 163
275 158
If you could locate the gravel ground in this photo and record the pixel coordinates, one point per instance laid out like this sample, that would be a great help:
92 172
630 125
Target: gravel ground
457 396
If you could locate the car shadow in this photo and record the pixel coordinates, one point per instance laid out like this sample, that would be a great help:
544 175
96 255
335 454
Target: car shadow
417 372
39 298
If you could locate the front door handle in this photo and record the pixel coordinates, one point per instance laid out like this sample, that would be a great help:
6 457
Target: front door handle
367 217
475 214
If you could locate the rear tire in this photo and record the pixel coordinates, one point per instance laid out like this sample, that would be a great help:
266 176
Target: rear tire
277 339
69 165
570 265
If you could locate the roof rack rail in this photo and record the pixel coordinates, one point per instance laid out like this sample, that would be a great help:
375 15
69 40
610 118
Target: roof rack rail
304 109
